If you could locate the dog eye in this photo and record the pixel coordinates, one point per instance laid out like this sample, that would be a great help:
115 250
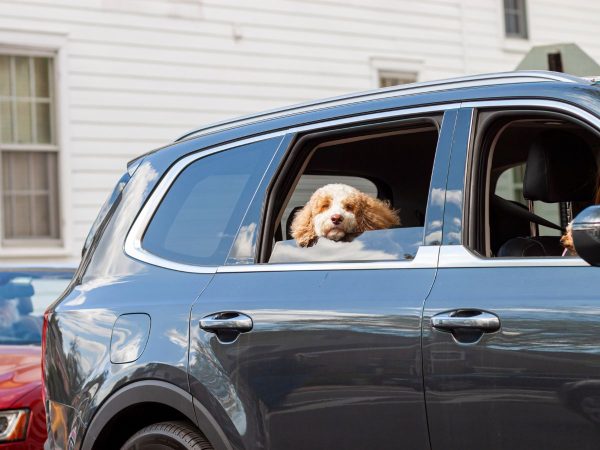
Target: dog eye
323 206
349 207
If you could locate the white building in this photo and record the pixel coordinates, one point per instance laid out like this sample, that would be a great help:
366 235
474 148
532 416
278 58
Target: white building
86 85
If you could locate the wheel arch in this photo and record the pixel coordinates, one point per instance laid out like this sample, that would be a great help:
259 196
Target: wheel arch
152 396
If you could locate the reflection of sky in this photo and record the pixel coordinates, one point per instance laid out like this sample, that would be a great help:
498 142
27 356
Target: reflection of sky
392 244
242 249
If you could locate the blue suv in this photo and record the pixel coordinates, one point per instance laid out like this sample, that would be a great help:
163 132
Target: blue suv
196 322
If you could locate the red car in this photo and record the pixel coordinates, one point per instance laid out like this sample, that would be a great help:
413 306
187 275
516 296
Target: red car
25 293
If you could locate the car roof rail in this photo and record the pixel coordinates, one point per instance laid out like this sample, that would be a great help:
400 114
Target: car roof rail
488 79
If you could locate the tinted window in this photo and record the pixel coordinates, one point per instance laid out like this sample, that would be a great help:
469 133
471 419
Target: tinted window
201 213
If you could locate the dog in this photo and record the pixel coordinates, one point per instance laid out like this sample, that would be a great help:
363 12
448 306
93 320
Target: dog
567 239
340 213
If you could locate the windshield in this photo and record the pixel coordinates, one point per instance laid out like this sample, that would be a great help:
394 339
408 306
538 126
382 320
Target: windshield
24 296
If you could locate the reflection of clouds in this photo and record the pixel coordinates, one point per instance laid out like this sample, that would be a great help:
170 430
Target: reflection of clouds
378 245
129 337
177 338
242 249
206 367
435 236
112 249
435 224
326 250
453 196
437 196
454 236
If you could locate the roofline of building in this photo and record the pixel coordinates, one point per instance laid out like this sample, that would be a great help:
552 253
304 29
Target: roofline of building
489 79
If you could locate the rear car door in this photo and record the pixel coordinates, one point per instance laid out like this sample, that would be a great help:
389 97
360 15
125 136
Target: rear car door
516 364
308 354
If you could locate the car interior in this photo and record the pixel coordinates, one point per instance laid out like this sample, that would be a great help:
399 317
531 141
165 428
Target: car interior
391 161
536 172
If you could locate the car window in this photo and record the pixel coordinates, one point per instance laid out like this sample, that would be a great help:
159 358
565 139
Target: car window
377 184
540 172
199 216
24 296
510 187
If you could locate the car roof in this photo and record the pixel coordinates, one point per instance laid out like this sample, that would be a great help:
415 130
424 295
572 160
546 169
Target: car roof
489 79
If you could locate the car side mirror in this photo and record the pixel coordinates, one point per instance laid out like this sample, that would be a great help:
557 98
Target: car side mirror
586 235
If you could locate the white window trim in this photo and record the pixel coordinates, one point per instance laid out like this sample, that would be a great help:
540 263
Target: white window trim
394 65
54 45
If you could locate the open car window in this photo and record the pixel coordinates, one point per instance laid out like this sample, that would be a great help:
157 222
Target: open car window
534 172
392 167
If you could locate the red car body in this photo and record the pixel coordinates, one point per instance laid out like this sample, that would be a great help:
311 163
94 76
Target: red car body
25 293
21 387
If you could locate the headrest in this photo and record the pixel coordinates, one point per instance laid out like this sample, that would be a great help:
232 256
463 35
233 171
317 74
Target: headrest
560 168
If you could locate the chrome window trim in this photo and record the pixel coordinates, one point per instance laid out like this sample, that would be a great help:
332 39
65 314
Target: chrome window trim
133 240
458 256
490 79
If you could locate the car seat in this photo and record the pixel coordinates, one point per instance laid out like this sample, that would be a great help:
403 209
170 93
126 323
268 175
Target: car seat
560 168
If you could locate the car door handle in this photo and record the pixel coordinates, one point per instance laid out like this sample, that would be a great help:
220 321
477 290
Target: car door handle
466 318
226 321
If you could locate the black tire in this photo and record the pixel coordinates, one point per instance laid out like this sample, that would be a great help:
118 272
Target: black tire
168 436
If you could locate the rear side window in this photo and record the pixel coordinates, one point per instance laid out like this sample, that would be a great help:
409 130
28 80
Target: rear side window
199 216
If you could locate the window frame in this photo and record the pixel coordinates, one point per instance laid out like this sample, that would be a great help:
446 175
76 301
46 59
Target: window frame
456 251
298 157
28 148
134 239
520 12
426 257
51 45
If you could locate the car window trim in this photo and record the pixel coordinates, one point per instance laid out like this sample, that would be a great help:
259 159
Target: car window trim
460 256
133 242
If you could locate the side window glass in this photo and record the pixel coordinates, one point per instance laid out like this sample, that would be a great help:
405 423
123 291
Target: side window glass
510 187
541 172
199 216
360 197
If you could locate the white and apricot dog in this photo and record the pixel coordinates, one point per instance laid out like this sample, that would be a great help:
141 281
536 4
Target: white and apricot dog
340 212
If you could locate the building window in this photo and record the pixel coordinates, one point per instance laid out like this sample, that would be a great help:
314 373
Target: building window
515 19
28 152
388 78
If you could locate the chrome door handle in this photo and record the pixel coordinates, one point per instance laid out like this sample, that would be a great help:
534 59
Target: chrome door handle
226 321
466 318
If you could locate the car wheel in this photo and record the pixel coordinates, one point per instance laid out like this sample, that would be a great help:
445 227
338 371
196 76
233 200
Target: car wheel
167 436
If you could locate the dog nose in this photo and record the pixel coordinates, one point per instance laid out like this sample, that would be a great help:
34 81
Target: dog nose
337 219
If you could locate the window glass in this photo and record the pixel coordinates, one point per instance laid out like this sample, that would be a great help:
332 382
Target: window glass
377 214
543 172
30 191
515 19
29 207
510 187
200 214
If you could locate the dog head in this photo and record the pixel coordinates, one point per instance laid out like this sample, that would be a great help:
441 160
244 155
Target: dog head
339 211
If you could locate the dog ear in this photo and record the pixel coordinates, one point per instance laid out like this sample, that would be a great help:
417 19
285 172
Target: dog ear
376 214
302 227
567 240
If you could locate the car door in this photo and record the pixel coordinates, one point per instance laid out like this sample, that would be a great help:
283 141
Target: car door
318 355
518 367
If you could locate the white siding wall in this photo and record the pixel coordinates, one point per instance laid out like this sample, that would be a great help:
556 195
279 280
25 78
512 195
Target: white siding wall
134 74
